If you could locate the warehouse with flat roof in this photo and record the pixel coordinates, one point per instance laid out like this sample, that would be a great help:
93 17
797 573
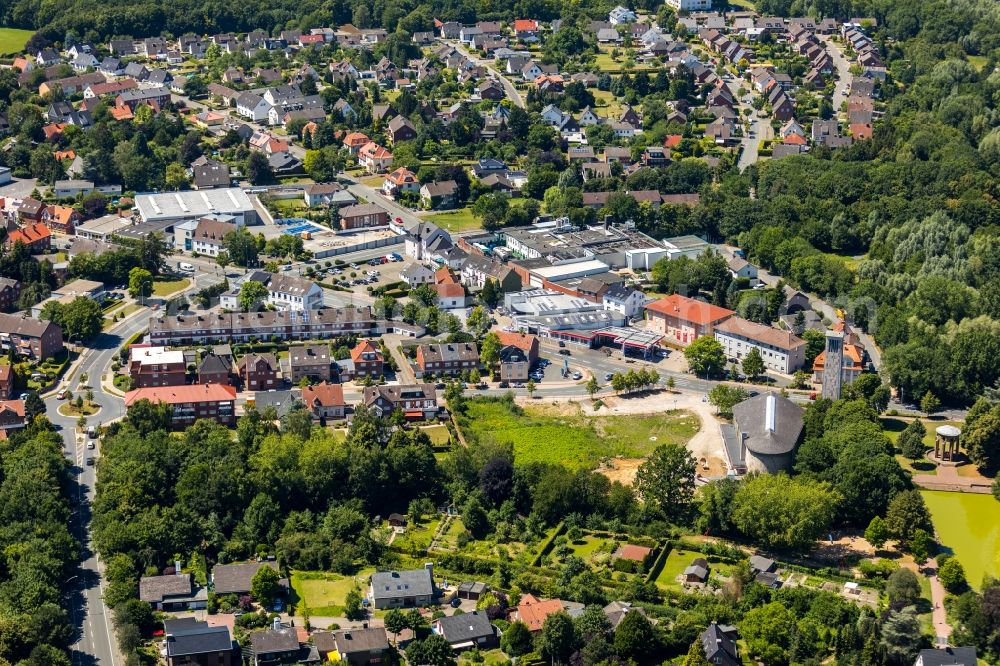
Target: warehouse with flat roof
174 207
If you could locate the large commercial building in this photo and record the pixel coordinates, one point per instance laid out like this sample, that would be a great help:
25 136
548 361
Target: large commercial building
175 207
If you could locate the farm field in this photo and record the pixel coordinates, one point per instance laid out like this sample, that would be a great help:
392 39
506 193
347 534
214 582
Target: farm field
969 525
540 434
12 40
324 593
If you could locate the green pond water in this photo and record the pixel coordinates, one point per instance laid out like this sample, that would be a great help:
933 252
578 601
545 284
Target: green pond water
968 524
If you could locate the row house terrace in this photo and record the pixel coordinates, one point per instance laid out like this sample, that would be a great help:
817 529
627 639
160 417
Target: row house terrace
245 326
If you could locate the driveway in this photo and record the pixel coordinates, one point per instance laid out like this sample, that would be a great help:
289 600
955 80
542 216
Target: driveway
843 67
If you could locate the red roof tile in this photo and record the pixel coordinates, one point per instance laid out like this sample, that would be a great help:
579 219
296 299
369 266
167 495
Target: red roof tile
689 309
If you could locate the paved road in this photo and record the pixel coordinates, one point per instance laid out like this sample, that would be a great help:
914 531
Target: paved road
95 643
508 87
843 67
761 130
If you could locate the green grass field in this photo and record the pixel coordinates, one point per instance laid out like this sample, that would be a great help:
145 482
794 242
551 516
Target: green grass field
677 562
324 593
586 546
455 220
574 440
439 434
12 40
164 288
969 525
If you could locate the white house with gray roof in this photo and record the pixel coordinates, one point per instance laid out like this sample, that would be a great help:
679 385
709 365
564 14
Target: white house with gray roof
402 589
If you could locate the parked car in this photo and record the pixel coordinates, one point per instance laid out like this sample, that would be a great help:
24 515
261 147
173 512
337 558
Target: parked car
564 352
92 444
608 376
562 344
577 376
90 461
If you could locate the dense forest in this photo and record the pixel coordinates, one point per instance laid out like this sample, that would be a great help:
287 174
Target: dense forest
37 551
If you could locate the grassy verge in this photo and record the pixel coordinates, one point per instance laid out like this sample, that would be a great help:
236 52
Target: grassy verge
165 288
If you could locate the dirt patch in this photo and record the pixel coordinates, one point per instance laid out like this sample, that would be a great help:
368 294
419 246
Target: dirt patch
621 469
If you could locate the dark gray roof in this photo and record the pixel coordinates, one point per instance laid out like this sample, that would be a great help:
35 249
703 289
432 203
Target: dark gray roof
719 647
153 589
411 583
282 401
769 423
758 563
952 656
235 578
465 627
270 641
213 363
188 636
350 641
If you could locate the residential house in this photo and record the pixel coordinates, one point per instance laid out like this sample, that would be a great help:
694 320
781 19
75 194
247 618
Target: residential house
696 572
621 15
415 401
740 268
276 645
30 337
526 30
325 401
367 360
208 174
374 158
309 361
36 237
236 327
12 416
258 372
469 631
209 236
10 291
533 611
60 219
624 300
947 656
476 270
191 642
447 358
215 369
637 557
192 402
440 194
417 274
518 354
400 129
156 366
30 211
327 194
719 646
252 106
402 589
399 181
781 351
353 647
684 319
295 294
425 240
172 592
237 579
355 141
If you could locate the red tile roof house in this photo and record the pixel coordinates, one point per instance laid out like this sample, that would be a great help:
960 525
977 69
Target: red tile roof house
683 320
191 402
259 372
61 219
36 237
355 141
367 359
325 401
11 416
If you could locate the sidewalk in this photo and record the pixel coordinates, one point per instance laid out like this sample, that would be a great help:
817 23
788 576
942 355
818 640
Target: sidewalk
948 479
942 630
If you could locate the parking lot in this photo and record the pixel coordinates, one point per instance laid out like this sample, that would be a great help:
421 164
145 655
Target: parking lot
355 274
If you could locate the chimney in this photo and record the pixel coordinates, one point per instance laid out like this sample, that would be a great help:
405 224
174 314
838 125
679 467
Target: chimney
177 568
277 624
430 568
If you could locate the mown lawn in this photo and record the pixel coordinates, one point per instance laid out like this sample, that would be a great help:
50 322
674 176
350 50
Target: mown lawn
574 440
438 434
325 593
677 562
12 40
164 288
456 220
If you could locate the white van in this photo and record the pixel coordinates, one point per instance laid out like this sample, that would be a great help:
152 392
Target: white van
187 268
